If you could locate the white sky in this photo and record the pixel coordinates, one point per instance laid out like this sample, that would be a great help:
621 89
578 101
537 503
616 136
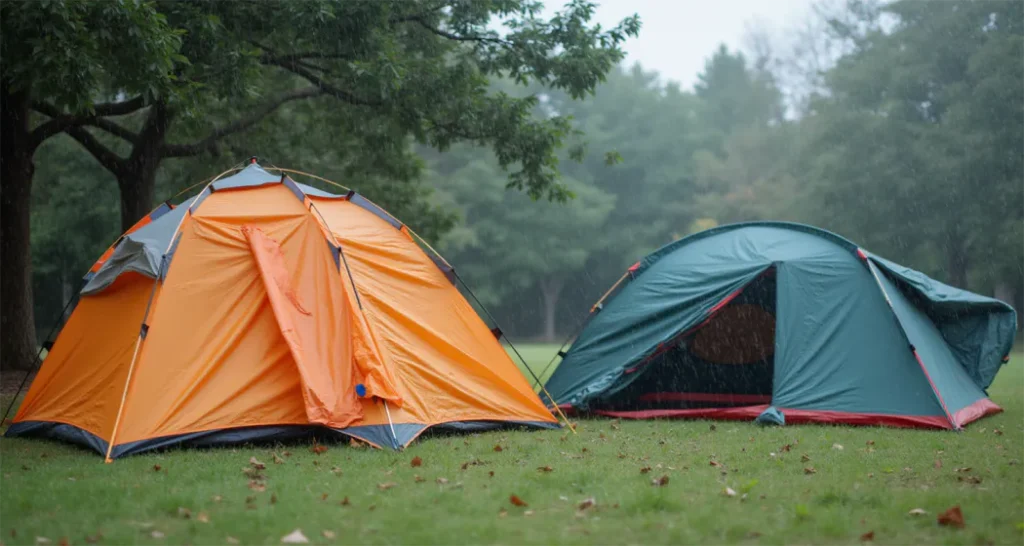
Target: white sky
677 36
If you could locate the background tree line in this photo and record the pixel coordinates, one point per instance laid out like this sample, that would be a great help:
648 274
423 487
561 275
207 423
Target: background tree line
899 126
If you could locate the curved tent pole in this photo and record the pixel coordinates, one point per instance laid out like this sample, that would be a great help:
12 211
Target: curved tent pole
143 328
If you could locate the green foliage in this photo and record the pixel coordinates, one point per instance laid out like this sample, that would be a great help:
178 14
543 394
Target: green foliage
69 52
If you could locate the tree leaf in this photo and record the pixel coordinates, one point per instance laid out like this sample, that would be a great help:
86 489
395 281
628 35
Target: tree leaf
516 501
416 461
868 536
255 463
586 503
295 537
385 486
660 482
498 448
545 469
952 518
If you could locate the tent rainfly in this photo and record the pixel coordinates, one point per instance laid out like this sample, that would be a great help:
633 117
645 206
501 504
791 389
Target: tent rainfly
780 323
264 309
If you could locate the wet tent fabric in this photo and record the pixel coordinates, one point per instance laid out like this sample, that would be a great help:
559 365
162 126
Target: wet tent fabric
251 320
857 338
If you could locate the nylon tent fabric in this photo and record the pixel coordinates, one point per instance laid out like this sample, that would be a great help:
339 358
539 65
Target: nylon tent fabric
845 325
254 327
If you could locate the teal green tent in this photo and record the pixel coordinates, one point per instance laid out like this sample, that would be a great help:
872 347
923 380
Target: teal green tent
785 322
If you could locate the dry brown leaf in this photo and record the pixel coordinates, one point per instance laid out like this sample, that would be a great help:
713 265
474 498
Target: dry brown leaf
156 468
969 479
202 517
963 469
586 503
323 497
216 498
786 447
278 460
490 474
232 540
502 513
328 534
810 470
998 432
257 486
255 463
622 455
868 536
344 502
545 469
156 534
442 481
917 512
419 479
645 469
336 471
805 457
938 464
287 454
660 482
385 486
712 428
952 518
498 448
372 507
253 473
63 542
273 498
837 447
416 461
295 537
714 463
516 501
184 512
318 449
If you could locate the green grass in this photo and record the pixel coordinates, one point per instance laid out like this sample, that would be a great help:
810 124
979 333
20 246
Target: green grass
53 490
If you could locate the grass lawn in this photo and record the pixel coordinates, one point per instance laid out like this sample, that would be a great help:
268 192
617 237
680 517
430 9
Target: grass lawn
365 496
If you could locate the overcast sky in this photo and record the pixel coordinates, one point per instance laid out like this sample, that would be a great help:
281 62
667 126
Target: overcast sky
678 35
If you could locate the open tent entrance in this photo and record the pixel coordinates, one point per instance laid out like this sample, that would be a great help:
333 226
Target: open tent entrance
726 361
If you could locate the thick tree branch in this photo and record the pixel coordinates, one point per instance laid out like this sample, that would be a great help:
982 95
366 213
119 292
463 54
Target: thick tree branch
292 57
119 108
113 128
322 85
458 38
185 150
110 161
60 121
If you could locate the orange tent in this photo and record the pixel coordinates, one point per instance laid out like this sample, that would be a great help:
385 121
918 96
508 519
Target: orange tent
267 309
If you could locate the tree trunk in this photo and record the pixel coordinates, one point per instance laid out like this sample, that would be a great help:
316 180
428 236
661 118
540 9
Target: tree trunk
551 289
136 180
17 320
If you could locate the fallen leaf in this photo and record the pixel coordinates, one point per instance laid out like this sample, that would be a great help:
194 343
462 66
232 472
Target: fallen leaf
344 502
805 457
184 512
729 492
232 540
516 501
295 537
202 517
42 540
952 518
442 481
498 448
938 464
870 442
318 449
253 473
753 534
997 432
255 463
622 455
528 513
386 486
287 454
868 536
810 470
336 471
257 486
969 479
837 447
63 542
273 498
502 513
416 461
156 468
586 503
328 534
278 460
490 474
964 469
712 428
419 479
323 497
917 512
786 447
645 470
660 482
156 534
715 463
372 507
93 539
216 498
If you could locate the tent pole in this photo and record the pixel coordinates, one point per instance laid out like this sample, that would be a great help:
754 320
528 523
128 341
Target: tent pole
516 351
391 424
39 356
